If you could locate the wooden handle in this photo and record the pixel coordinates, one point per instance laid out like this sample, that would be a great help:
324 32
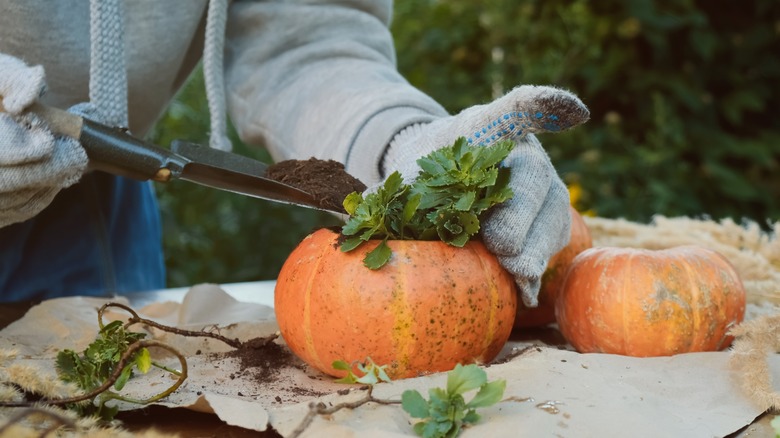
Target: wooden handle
111 150
60 121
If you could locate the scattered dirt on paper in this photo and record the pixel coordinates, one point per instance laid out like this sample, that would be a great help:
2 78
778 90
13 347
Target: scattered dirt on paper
264 358
271 365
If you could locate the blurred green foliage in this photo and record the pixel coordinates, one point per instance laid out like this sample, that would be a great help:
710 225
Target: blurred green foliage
683 97
683 94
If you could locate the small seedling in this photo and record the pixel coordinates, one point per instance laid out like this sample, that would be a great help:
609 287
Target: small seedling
443 415
372 373
446 411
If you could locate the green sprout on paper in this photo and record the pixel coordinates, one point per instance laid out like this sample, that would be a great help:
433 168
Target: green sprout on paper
372 373
446 412
455 185
443 415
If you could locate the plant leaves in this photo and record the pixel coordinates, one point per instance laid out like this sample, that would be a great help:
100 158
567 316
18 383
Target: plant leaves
454 186
431 166
411 207
97 363
445 412
471 417
433 429
488 394
381 373
341 365
350 244
372 373
349 379
351 202
393 184
465 378
107 413
120 382
491 156
344 366
143 360
466 201
378 256
414 403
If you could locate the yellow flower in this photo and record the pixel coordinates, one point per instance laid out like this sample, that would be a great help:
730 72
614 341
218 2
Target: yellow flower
575 197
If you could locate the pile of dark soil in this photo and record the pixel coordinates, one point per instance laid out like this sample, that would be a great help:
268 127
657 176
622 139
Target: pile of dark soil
264 357
326 180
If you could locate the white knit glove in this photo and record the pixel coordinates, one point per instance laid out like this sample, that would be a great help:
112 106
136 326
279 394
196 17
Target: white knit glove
534 224
34 164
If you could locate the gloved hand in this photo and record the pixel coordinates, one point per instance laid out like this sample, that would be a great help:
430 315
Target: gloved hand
534 224
34 164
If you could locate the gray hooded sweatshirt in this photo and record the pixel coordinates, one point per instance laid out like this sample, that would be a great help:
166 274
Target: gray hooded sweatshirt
302 78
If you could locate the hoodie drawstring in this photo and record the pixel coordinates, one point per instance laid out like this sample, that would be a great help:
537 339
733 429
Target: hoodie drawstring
213 73
108 68
107 65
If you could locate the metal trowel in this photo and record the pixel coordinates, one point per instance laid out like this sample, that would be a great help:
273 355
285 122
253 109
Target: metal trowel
114 151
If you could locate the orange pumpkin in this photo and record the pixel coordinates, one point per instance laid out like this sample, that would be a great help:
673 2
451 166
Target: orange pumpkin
640 302
431 307
553 277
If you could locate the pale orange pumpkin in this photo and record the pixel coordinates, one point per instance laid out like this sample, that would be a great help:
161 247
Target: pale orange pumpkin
552 279
641 302
431 307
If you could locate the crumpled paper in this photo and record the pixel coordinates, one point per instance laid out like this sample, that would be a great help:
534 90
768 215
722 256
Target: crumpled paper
550 391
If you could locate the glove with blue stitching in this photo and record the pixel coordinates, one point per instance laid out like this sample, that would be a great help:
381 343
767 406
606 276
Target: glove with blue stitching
534 224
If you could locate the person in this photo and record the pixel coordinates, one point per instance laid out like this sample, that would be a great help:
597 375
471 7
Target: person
301 78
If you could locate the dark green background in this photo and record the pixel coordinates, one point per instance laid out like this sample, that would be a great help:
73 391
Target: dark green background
684 99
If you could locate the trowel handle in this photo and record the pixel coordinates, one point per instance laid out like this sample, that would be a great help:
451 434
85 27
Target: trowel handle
110 149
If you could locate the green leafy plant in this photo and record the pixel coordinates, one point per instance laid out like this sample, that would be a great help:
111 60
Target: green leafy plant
97 364
703 141
446 411
455 185
111 360
443 415
372 373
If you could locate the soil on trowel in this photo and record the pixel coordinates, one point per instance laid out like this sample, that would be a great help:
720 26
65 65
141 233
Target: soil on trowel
326 180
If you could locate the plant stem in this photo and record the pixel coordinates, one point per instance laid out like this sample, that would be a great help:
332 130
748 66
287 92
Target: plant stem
164 368
136 319
320 409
